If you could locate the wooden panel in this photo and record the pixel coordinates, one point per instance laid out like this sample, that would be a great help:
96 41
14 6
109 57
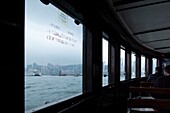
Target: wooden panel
149 103
152 90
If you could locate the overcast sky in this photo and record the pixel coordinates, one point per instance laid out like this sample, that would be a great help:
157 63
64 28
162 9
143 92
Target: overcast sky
51 36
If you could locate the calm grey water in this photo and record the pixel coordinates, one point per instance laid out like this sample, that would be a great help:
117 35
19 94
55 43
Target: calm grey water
40 90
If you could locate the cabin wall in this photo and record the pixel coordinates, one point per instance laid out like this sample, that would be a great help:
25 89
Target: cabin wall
12 56
95 98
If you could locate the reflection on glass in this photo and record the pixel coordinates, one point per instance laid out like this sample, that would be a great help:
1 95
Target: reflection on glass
105 62
143 66
165 62
133 65
53 55
122 65
154 64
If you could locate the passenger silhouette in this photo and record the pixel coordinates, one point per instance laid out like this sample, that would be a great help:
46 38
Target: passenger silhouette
163 82
153 77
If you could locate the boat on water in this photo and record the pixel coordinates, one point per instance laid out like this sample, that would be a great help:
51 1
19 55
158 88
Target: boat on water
37 74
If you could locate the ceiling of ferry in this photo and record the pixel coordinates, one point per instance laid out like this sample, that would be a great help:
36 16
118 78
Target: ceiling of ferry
148 21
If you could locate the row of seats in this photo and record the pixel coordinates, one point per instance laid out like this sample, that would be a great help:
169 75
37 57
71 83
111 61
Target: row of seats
143 99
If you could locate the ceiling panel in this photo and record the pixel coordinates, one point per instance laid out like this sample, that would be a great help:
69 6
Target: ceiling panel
147 18
154 36
148 21
164 50
159 44
136 4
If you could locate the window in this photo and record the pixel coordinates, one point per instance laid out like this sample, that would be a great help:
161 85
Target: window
105 62
165 62
133 65
142 66
53 55
154 64
122 64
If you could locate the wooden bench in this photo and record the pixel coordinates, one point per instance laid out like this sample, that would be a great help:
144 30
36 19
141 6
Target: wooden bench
151 90
146 84
148 104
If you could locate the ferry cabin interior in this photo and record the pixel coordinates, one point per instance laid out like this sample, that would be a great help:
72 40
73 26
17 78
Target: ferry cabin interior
135 26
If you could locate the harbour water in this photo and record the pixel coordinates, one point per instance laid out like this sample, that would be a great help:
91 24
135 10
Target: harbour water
45 89
41 90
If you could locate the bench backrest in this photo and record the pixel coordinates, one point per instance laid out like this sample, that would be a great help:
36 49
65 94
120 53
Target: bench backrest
142 102
146 84
151 90
148 103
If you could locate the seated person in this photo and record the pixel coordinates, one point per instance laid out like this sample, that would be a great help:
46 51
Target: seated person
153 77
163 82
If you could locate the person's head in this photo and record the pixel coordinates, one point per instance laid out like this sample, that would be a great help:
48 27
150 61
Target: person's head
157 70
167 70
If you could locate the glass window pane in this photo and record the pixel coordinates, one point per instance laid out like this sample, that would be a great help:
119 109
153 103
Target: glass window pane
143 66
133 65
53 55
154 64
165 62
122 64
105 62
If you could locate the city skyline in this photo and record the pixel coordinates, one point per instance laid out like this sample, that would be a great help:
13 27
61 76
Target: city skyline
51 69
